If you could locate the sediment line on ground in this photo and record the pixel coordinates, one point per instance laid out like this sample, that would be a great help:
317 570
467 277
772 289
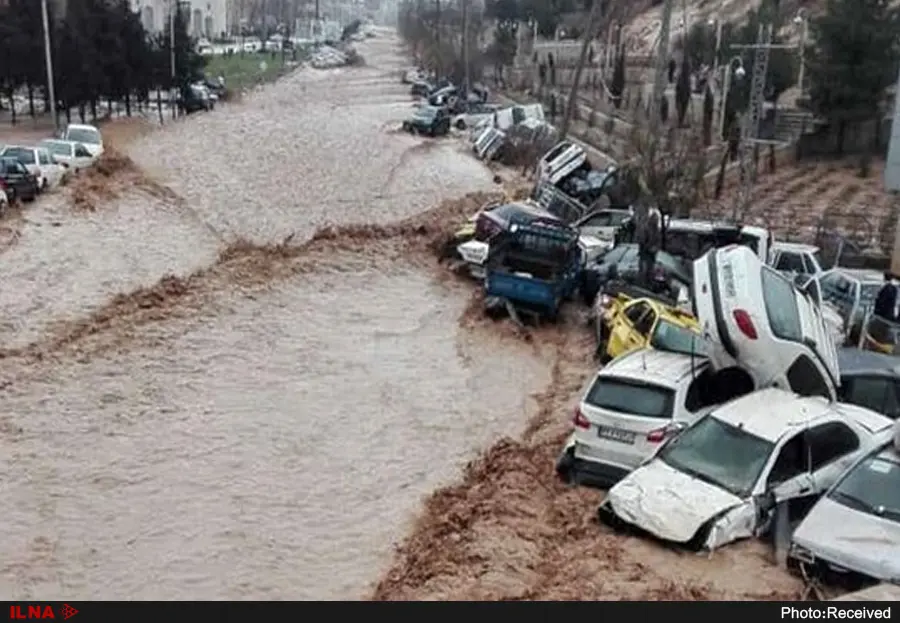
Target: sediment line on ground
246 264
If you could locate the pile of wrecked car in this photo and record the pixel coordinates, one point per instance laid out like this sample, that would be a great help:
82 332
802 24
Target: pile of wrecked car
732 402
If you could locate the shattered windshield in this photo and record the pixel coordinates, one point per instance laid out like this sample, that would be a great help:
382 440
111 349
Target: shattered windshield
872 487
676 339
719 454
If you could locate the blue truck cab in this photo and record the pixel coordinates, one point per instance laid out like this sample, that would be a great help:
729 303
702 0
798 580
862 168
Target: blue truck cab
534 267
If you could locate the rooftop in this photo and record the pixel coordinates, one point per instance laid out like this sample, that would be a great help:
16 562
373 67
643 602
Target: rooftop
657 366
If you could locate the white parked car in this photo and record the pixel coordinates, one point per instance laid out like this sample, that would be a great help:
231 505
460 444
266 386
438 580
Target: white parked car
854 530
476 114
4 200
72 156
755 319
722 478
634 404
794 258
38 162
87 135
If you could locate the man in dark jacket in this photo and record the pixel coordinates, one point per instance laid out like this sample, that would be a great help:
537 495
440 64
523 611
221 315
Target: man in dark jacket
649 238
886 300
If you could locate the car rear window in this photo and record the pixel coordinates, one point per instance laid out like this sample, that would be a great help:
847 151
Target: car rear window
780 300
631 397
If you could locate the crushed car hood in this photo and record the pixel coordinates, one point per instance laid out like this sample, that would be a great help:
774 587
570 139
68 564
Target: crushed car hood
667 503
851 539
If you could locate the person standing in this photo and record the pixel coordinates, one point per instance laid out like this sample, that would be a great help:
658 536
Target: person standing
649 237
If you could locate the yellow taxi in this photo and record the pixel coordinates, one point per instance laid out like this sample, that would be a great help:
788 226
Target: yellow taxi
625 324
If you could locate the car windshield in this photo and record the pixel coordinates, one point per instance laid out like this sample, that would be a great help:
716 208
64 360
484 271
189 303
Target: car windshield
872 487
780 300
22 154
57 148
674 338
633 397
719 454
838 290
83 135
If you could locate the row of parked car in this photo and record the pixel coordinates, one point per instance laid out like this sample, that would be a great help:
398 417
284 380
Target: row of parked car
732 397
28 170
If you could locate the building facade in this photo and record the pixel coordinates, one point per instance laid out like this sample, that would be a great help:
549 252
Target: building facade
206 18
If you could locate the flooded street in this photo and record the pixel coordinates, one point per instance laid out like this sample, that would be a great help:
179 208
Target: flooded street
232 368
273 450
252 431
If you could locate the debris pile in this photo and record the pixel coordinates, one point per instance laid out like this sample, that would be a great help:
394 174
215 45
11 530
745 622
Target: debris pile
328 57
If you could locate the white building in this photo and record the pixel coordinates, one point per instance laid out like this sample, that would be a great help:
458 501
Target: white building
207 18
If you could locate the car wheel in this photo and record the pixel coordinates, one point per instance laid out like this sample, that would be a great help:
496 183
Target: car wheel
461 124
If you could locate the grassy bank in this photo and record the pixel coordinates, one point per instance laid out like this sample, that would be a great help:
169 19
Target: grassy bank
245 71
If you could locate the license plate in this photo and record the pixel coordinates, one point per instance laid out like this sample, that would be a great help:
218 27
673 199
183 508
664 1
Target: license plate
615 434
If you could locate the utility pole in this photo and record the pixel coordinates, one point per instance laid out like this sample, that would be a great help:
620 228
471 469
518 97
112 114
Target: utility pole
662 59
173 8
750 131
596 14
465 45
48 56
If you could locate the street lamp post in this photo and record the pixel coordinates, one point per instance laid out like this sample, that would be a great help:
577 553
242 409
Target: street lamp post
802 21
723 103
48 56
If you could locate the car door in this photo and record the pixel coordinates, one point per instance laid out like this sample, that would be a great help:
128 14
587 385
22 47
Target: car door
597 224
82 157
833 447
789 479
623 336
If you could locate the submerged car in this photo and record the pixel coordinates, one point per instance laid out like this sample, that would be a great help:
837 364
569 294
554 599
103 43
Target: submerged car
633 405
755 319
851 537
87 135
722 478
429 120
626 324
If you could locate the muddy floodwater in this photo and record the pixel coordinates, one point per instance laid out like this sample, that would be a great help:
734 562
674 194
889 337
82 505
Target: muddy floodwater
266 442
274 450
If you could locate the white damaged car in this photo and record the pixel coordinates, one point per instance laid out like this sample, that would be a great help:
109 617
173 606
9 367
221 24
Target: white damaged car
755 319
852 535
723 477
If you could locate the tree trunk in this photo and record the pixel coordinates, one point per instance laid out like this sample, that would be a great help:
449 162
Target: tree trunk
128 103
771 158
109 106
93 109
81 112
159 105
12 107
31 100
720 178
596 11
841 134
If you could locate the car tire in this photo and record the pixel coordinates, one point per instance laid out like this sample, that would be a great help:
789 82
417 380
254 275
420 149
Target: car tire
461 124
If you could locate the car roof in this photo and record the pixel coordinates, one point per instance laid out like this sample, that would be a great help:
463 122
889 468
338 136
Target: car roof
5 147
800 247
785 412
661 367
81 126
856 362
690 224
866 275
